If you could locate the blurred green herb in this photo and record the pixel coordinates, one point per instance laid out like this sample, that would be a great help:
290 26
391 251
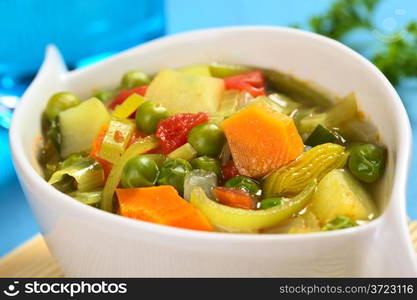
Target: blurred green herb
398 56
399 59
344 16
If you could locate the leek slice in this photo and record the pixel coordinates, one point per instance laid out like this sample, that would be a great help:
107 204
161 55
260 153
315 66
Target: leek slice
128 107
313 164
186 152
303 91
229 104
244 220
92 198
344 111
222 70
285 104
361 131
142 146
87 174
230 101
115 141
311 121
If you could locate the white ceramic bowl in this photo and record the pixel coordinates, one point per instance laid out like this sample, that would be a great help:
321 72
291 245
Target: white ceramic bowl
89 242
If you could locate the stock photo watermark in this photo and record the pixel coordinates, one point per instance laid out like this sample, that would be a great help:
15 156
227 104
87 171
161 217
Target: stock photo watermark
64 288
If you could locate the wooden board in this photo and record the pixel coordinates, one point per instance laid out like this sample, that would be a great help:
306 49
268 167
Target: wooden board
33 259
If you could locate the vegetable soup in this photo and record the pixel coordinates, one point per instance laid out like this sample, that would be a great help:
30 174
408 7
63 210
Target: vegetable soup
216 147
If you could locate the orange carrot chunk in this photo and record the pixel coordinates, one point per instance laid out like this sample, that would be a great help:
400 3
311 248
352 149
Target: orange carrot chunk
234 198
95 149
261 140
161 205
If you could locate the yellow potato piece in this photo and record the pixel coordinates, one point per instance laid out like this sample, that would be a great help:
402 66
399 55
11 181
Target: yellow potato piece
80 126
339 194
181 92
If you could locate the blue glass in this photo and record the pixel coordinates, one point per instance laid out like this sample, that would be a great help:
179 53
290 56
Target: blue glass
85 31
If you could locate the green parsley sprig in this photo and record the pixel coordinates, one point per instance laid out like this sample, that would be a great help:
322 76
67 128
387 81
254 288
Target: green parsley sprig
396 59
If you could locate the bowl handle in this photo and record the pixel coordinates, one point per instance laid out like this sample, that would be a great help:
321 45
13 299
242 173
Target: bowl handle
393 246
51 72
53 62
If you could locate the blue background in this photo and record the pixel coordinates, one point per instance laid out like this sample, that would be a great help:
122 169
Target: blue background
16 221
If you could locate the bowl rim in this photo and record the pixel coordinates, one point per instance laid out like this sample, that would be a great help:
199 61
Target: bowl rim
403 129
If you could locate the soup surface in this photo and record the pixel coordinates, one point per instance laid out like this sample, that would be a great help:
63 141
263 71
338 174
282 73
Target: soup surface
216 147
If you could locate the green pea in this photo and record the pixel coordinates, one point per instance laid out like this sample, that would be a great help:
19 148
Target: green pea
104 96
270 202
366 162
207 163
340 222
149 114
243 183
140 171
158 158
207 139
60 102
173 173
134 78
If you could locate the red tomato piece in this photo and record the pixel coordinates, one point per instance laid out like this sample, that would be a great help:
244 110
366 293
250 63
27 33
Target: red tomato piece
173 131
229 170
252 82
123 95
